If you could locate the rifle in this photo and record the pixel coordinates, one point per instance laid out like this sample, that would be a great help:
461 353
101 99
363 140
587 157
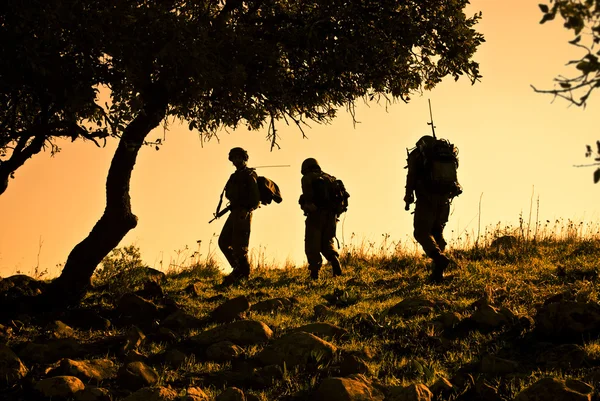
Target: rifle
220 213
431 118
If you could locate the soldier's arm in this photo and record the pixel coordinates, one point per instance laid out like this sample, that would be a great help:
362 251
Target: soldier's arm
411 176
254 195
308 197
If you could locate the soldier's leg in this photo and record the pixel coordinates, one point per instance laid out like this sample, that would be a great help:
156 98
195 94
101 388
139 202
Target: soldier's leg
226 240
425 219
440 223
327 243
242 220
312 244
423 227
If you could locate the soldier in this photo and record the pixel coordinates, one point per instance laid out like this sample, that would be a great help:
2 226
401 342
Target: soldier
431 176
321 218
242 192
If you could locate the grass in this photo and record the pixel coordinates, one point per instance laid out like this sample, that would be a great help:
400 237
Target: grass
397 350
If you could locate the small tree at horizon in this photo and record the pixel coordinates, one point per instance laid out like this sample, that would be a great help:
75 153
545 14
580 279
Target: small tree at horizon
235 63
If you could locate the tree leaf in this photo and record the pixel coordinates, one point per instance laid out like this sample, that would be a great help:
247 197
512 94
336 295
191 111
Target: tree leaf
544 8
596 176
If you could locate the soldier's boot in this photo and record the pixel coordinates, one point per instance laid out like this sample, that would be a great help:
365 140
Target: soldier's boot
314 272
240 271
336 267
440 263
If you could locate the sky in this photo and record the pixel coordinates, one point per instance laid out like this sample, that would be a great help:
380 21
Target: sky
517 149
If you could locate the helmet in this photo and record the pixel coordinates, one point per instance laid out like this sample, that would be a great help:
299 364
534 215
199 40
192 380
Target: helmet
309 164
425 141
238 152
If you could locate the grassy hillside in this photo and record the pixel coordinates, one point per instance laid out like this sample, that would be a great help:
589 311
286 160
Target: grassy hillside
482 329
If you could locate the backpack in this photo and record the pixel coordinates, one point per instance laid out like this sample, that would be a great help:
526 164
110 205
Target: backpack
269 191
440 164
331 193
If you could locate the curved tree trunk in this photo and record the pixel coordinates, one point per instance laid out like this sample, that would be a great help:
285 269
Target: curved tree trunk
117 219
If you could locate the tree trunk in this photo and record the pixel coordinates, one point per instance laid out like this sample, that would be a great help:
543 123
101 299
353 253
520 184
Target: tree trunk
117 219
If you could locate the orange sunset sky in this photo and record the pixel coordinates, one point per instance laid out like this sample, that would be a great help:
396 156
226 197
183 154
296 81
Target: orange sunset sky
513 143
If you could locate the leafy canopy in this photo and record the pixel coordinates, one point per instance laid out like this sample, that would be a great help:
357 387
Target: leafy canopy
583 18
215 63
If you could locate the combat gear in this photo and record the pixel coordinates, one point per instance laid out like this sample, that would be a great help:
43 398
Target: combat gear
241 190
440 161
268 190
330 193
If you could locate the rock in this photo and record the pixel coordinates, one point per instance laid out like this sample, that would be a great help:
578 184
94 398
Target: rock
412 392
134 338
223 351
231 310
441 388
568 320
58 329
231 394
151 290
414 306
565 356
153 394
351 364
179 320
323 312
297 348
59 386
353 388
172 357
272 305
487 317
195 394
136 375
241 332
267 376
20 285
52 351
91 393
448 319
497 366
86 319
134 309
323 330
11 367
94 370
551 389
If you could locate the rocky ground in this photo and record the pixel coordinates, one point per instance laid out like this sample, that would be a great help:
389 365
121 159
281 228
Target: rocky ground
522 325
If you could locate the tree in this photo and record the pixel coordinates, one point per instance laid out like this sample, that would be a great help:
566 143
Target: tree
583 18
49 76
251 63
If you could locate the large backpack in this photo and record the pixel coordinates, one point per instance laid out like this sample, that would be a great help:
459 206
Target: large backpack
269 191
330 193
440 164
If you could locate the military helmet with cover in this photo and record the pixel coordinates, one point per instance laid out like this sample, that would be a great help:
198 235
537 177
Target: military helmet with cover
238 152
309 164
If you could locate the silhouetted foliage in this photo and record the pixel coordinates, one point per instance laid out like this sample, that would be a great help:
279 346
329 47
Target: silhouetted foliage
50 69
215 64
583 18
